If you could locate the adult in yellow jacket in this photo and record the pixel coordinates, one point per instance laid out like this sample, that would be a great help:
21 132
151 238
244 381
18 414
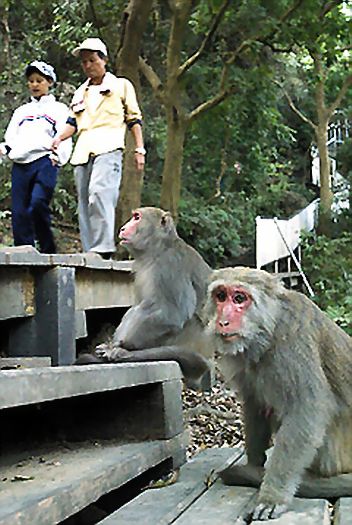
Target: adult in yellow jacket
102 108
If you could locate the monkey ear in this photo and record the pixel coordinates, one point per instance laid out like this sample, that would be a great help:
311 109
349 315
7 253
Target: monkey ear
167 222
207 310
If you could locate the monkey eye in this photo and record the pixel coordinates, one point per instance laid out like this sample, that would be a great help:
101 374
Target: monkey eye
136 216
239 297
221 295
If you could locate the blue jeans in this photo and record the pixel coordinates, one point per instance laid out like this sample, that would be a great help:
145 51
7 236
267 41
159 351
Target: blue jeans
32 188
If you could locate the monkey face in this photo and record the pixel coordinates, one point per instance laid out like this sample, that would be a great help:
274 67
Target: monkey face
128 231
242 310
231 304
147 230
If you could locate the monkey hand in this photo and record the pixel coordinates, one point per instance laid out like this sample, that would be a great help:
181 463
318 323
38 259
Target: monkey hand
111 353
262 512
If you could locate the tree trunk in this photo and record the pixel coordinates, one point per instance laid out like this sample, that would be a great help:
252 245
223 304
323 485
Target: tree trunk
136 17
321 134
172 170
326 195
177 121
5 57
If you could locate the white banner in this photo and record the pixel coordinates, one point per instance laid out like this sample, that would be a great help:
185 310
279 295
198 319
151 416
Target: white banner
269 245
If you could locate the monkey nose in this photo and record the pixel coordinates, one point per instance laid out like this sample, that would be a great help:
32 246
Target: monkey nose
224 323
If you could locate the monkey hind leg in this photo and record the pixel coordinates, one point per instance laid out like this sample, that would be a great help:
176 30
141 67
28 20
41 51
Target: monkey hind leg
334 457
242 475
330 474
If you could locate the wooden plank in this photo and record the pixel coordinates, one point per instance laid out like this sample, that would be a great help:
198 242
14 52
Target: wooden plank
80 324
190 501
65 480
164 505
24 255
223 505
45 384
343 511
67 259
17 293
306 512
99 289
54 320
7 363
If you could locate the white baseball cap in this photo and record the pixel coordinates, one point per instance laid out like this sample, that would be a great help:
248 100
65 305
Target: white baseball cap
45 69
91 44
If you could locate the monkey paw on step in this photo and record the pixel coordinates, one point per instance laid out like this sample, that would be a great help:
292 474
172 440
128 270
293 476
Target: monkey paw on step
262 512
111 353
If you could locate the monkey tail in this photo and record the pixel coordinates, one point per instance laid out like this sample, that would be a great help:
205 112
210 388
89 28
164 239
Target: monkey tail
310 487
242 475
333 487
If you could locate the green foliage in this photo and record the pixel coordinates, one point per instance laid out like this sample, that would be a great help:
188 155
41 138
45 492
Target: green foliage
247 156
328 264
211 228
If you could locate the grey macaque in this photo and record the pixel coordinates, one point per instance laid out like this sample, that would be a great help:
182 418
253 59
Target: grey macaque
292 366
170 287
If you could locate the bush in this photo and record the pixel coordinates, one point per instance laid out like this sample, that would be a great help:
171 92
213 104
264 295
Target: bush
328 264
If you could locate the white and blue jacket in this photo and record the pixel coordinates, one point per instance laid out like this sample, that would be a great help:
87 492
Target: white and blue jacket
32 129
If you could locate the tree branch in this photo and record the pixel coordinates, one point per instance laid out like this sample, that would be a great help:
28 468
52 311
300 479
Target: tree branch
245 43
206 41
95 18
329 6
284 17
211 103
274 48
153 79
341 94
295 109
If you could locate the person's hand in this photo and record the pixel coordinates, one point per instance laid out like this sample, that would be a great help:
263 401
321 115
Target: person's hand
54 158
3 150
56 143
139 160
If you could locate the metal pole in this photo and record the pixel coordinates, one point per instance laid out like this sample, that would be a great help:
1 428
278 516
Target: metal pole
296 261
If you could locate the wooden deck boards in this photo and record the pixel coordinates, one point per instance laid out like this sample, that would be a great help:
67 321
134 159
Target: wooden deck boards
194 501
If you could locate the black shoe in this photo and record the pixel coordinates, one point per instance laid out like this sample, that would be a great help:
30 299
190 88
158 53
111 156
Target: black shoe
106 255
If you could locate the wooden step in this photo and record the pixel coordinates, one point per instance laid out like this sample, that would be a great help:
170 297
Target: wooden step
166 504
24 387
47 298
72 434
343 514
193 500
55 483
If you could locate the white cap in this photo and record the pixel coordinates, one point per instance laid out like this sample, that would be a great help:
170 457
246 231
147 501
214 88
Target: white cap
45 69
91 44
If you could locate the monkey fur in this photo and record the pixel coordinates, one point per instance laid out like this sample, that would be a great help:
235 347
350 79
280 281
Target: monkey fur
170 288
292 367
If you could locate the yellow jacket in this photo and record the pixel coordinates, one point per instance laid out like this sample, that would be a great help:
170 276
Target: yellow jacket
103 128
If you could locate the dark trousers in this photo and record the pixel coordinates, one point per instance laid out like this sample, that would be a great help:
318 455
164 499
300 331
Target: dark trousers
33 186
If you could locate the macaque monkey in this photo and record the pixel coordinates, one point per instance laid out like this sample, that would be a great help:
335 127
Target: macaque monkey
292 366
170 287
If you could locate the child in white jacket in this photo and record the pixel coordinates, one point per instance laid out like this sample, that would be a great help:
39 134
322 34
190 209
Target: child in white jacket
28 140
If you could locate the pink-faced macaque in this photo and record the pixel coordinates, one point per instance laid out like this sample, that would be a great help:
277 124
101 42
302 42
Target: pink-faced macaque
292 367
170 287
